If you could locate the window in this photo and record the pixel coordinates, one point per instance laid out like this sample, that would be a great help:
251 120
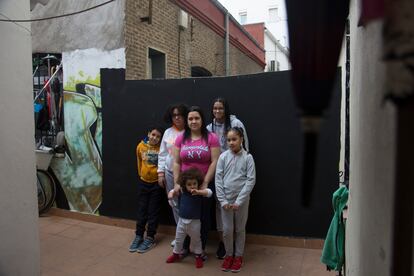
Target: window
272 66
198 71
273 16
156 64
243 17
278 66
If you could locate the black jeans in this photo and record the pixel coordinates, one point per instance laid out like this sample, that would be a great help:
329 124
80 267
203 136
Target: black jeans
205 220
149 206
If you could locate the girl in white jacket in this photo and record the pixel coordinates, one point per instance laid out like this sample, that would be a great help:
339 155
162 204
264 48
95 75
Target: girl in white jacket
235 179
175 116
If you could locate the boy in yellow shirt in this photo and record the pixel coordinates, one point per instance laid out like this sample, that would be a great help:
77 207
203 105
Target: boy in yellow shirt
149 192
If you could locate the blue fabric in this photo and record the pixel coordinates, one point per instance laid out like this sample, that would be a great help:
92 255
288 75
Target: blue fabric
189 206
37 107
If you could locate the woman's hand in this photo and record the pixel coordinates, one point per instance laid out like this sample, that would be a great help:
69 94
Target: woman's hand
204 185
173 193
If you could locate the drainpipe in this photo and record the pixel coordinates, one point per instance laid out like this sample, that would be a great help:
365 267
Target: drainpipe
226 45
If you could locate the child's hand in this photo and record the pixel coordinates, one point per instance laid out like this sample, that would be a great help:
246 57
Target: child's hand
194 192
235 207
227 207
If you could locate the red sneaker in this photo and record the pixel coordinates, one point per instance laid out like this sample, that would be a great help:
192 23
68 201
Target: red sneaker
237 264
173 258
227 263
199 261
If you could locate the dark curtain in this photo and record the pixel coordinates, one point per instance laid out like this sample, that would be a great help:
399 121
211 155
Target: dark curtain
316 30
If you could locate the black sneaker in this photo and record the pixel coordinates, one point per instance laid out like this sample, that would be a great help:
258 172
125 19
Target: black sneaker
146 245
221 251
135 243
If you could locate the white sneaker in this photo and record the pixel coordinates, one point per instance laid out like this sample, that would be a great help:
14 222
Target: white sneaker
173 243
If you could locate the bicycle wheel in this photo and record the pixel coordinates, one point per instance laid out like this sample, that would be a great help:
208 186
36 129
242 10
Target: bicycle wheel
46 191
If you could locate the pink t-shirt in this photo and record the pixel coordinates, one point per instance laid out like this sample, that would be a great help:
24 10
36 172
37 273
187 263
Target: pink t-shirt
196 153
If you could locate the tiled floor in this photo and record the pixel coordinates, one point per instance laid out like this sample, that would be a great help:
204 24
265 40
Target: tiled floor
74 247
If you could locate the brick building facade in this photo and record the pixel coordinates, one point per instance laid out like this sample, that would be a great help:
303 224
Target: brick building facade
200 45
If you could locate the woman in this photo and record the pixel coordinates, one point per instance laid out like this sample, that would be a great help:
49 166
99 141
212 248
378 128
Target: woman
222 121
200 149
175 116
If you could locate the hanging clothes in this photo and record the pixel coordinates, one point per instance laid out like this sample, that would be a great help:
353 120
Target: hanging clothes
333 253
56 88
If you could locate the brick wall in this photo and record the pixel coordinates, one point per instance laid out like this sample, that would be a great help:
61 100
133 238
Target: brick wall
199 45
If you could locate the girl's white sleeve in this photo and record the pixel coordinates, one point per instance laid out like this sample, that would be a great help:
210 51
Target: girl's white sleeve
162 155
250 181
210 127
219 181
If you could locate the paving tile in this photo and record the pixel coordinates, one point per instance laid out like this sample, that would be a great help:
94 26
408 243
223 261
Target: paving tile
90 224
78 264
43 235
312 266
75 231
44 222
70 221
53 272
55 253
96 235
54 228
119 239
106 269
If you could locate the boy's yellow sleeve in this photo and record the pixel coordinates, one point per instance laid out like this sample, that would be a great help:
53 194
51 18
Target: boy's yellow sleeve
139 159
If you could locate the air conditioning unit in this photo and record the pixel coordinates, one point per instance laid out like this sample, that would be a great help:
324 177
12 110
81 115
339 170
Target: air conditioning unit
183 20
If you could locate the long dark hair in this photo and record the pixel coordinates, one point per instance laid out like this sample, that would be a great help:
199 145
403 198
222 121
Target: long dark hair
181 108
187 130
227 123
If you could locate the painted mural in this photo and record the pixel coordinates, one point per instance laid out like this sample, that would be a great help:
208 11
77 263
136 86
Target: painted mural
80 171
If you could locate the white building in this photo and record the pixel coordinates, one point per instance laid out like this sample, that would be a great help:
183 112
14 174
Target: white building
277 56
273 14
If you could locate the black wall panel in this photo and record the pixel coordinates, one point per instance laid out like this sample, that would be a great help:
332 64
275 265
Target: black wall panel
264 103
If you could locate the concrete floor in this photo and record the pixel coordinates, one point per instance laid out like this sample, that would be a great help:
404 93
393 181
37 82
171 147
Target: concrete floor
74 247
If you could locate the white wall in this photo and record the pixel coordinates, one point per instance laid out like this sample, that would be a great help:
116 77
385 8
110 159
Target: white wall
101 28
19 237
273 52
372 130
258 11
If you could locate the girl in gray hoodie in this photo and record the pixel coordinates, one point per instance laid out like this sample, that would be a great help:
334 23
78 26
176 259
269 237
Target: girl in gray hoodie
222 121
235 179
